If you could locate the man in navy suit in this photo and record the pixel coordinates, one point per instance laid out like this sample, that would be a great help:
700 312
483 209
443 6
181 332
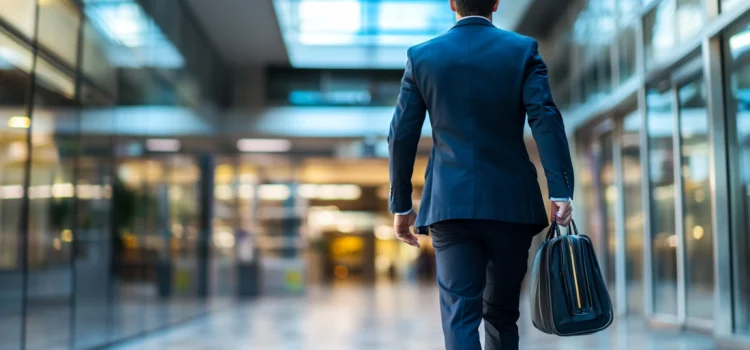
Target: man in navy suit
481 197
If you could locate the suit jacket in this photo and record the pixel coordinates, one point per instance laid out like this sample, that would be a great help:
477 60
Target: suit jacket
478 84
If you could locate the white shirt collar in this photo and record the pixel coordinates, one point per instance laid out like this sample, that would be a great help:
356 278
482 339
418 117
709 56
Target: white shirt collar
482 17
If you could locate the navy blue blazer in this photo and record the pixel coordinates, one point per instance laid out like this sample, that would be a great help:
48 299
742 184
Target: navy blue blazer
478 84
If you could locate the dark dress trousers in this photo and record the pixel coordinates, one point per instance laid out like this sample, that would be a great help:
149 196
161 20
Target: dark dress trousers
481 197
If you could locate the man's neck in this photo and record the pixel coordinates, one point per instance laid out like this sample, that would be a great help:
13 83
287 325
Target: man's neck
459 17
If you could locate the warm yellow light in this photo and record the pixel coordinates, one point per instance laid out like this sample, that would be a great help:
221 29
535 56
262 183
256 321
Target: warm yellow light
341 271
698 232
19 121
385 232
700 196
672 241
611 194
57 244
382 263
246 191
346 226
274 192
223 192
63 190
66 236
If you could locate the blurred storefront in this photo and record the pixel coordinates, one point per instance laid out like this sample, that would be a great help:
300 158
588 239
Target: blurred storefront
653 96
144 182
102 235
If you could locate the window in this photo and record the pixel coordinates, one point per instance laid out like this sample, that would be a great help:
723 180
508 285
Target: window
696 200
658 28
738 110
14 124
633 210
20 14
662 183
627 55
690 18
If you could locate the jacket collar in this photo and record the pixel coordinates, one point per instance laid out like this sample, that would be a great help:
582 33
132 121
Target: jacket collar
473 20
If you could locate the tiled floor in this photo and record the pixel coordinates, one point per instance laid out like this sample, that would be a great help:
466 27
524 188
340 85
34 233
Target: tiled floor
382 317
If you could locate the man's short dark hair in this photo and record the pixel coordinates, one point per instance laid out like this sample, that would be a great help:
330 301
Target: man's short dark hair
474 7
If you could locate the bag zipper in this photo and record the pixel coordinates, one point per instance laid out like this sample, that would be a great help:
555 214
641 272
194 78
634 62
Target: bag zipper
575 275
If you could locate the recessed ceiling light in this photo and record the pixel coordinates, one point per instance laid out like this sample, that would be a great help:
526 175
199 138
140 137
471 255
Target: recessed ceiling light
163 145
264 145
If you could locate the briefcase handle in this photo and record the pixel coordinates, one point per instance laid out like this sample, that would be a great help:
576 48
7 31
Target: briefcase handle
554 229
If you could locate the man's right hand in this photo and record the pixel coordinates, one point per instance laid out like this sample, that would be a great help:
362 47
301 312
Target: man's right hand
562 212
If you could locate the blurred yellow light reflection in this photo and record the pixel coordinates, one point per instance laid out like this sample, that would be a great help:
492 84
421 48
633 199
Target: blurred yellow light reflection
57 244
245 191
611 193
672 241
223 192
700 196
341 272
223 239
698 232
11 192
329 192
384 232
274 192
20 122
346 226
17 151
66 236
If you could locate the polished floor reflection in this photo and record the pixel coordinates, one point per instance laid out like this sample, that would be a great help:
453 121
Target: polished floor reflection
383 317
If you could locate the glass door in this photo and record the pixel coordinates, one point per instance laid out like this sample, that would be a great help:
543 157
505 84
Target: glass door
681 217
697 216
661 182
632 210
600 197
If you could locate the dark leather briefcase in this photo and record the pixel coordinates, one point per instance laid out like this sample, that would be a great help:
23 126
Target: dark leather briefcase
568 294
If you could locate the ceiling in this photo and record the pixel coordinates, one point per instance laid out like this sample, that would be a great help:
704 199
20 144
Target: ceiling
248 33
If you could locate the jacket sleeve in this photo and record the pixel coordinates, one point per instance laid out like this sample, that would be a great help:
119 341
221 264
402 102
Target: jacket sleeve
547 127
403 138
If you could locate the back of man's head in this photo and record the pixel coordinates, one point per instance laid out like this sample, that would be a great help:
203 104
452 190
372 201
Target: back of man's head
474 7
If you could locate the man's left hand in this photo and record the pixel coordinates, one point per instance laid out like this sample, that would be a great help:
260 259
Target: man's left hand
401 224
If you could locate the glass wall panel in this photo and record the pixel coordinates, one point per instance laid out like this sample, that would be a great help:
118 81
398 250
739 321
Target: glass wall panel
728 5
658 30
661 179
691 15
93 261
51 217
20 14
227 228
738 106
696 192
608 201
130 207
627 54
633 208
14 124
59 21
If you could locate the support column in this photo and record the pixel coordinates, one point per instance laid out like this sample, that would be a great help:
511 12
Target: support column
206 164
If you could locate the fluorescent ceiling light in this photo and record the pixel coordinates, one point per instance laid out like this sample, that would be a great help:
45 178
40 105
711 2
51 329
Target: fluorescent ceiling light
330 15
163 145
358 33
19 122
264 145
